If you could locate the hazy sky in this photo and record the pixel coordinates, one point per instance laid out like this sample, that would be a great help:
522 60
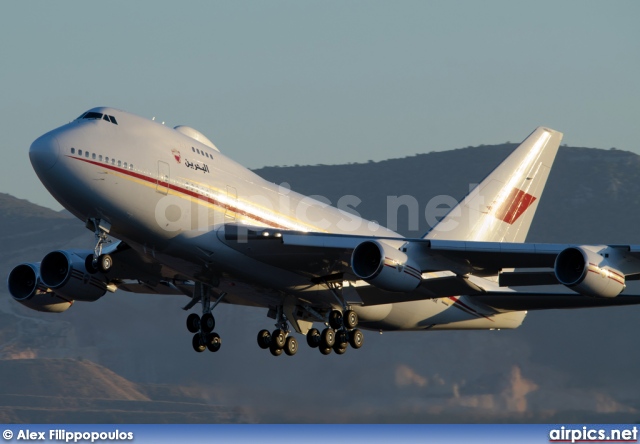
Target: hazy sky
283 83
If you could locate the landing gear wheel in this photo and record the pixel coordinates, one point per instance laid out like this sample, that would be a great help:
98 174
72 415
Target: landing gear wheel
291 346
275 351
356 339
325 350
328 338
198 344
340 348
264 339
350 319
193 323
214 342
278 339
313 338
207 323
105 262
335 319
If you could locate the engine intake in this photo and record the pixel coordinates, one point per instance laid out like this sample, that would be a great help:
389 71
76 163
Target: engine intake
65 272
385 267
26 288
588 273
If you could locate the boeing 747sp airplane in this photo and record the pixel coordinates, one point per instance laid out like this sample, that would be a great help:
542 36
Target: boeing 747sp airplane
189 221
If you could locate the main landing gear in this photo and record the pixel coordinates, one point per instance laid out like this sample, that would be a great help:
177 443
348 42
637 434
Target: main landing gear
280 340
204 338
340 333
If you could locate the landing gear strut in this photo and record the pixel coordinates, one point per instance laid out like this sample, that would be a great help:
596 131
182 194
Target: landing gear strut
204 337
280 339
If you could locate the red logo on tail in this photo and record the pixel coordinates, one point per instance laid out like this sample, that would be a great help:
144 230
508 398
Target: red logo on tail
516 204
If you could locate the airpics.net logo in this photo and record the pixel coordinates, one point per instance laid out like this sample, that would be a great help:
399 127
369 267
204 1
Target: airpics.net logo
589 434
62 435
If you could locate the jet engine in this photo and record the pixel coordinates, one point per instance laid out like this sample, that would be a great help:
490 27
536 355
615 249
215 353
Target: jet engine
588 273
66 274
385 267
26 288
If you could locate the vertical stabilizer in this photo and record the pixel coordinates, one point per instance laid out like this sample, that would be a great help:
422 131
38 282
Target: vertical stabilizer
501 208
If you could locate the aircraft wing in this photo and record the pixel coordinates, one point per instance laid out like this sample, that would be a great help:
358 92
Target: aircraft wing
333 251
445 266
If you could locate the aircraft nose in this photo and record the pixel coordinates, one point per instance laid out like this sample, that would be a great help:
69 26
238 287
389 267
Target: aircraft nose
44 152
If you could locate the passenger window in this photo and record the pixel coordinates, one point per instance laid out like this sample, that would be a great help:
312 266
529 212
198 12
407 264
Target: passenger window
100 158
119 163
198 151
125 165
131 166
193 149
73 150
79 152
93 156
86 154
106 159
113 161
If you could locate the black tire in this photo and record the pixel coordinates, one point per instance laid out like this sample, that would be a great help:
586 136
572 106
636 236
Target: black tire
325 350
350 319
198 344
291 346
214 342
340 349
328 338
313 338
278 339
275 351
264 339
193 323
105 262
335 319
356 339
207 323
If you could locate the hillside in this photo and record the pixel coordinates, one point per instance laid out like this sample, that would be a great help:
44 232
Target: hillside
72 391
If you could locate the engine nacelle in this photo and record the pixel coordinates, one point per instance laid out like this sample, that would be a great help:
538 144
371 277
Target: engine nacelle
385 267
588 273
66 274
26 288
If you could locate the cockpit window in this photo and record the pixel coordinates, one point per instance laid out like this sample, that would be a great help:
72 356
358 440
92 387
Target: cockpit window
92 115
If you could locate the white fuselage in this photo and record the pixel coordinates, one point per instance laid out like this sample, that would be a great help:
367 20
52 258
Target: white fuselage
167 195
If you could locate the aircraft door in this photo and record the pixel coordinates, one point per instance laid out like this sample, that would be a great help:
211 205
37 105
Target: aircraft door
162 184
